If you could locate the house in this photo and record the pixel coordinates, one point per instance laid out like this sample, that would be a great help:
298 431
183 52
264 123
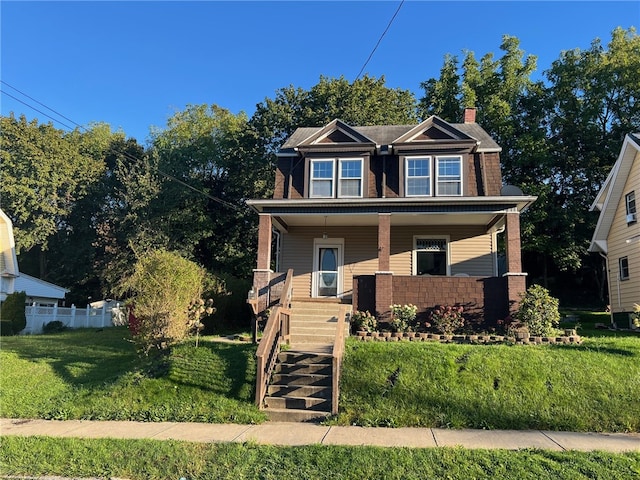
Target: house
617 233
38 291
378 215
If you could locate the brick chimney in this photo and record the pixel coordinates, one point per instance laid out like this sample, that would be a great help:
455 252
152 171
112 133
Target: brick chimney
469 115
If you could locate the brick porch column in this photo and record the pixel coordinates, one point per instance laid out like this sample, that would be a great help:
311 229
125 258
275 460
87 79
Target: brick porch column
262 274
516 278
384 277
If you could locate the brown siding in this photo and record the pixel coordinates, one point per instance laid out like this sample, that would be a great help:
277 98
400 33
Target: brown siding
474 176
282 173
492 173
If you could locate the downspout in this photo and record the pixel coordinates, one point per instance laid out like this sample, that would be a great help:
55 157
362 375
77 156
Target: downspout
276 233
606 266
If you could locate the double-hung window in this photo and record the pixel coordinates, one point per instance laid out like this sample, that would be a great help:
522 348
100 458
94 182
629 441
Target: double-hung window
449 175
322 179
630 201
350 177
331 177
421 181
418 176
623 263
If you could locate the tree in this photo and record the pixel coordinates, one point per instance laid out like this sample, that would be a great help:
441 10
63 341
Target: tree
44 172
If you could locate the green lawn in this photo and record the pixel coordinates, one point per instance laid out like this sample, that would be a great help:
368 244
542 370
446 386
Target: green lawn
148 459
89 374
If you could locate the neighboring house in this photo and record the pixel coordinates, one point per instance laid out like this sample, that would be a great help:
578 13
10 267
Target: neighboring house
38 292
617 233
381 215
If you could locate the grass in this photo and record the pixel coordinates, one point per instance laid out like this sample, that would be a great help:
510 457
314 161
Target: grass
96 375
593 386
149 459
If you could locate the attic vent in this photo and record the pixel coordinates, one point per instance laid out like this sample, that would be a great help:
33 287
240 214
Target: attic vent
431 244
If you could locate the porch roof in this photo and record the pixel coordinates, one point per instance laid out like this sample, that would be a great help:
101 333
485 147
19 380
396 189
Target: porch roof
487 211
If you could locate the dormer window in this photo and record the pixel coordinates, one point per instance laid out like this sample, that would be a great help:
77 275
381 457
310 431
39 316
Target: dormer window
324 176
419 180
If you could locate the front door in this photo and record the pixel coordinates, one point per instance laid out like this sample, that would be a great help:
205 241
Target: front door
327 269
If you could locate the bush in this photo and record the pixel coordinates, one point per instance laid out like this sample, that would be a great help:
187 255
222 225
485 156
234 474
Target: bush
404 317
162 287
364 321
6 329
447 319
538 311
13 311
54 327
229 295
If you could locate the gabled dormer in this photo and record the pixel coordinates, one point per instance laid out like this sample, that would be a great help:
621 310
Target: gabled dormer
433 159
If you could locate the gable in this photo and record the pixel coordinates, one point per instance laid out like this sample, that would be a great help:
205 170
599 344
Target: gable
432 129
336 132
612 192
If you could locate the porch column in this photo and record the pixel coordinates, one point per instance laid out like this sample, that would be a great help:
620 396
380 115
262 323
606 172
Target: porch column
384 277
262 274
515 278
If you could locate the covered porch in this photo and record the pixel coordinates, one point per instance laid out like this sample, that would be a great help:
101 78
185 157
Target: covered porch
427 252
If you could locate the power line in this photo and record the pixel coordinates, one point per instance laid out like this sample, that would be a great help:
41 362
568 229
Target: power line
380 39
111 149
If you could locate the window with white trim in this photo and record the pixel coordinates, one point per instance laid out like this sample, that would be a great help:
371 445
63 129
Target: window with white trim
321 183
327 181
420 181
630 204
623 263
418 176
430 256
350 177
449 176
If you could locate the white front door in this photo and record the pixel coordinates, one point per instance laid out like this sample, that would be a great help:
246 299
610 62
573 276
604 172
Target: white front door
327 268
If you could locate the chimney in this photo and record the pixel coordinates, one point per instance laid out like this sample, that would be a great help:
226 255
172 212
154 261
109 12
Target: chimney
469 115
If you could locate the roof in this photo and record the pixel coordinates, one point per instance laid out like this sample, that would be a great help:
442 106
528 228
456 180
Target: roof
34 287
390 134
611 192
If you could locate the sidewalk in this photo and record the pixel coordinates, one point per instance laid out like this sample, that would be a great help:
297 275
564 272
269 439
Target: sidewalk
290 434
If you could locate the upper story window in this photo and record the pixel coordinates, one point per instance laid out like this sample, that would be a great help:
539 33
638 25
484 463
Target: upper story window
623 264
419 180
630 201
325 174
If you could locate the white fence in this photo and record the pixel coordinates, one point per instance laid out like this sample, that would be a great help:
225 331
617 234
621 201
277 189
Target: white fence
72 317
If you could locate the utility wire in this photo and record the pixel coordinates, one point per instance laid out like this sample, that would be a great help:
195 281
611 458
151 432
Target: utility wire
380 39
111 149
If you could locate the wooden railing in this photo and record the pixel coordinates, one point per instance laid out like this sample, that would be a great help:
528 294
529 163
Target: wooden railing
338 352
275 332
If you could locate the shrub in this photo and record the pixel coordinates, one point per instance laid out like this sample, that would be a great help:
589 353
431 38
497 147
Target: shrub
635 316
6 329
13 311
538 311
364 321
404 317
54 327
161 288
447 319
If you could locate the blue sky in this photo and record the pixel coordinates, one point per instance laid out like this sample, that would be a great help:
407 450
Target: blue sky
133 64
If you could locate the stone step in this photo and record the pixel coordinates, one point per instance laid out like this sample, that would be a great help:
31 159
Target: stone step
300 379
298 403
299 391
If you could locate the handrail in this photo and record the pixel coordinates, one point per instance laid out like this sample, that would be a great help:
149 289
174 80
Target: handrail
337 354
276 329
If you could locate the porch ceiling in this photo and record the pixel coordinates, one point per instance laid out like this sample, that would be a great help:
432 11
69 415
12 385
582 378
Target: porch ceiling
486 211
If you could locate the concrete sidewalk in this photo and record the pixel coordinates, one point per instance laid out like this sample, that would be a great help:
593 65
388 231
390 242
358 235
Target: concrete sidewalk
290 434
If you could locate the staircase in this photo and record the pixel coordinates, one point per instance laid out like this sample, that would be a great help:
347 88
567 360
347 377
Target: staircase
301 386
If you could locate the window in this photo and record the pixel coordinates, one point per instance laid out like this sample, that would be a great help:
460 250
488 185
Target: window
449 181
419 180
630 201
323 178
350 181
430 256
624 268
418 177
